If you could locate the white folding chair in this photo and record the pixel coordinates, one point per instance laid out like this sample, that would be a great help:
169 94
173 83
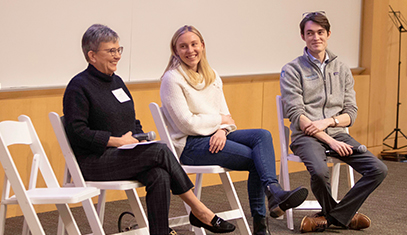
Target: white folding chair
236 211
22 132
284 174
73 177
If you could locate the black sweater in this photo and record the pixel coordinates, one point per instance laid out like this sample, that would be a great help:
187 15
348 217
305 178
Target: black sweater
93 113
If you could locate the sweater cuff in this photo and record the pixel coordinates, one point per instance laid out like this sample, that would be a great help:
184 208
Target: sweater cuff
100 140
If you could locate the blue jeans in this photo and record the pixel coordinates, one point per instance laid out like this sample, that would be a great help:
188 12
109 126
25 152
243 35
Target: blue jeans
245 150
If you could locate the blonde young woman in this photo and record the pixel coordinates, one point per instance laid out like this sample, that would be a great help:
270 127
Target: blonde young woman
204 132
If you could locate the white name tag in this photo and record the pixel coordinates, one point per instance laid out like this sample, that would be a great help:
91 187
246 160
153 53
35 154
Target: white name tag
120 95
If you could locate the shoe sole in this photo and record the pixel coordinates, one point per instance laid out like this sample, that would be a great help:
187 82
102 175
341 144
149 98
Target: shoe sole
293 200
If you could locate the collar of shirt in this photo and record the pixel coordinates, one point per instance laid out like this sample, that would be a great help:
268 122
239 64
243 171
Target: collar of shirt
320 65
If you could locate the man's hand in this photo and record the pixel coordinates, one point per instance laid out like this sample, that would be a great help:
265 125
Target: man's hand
217 141
343 149
316 126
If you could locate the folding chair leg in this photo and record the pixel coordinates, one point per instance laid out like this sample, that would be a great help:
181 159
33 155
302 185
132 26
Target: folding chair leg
335 180
234 202
101 205
3 212
61 227
197 192
31 217
285 182
198 185
26 231
93 218
68 219
137 209
351 177
290 219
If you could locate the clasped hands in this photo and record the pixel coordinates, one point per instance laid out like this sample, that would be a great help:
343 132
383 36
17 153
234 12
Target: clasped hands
218 140
315 127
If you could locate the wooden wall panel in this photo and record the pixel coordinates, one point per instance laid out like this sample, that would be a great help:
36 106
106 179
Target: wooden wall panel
359 130
373 58
389 93
245 103
271 90
251 103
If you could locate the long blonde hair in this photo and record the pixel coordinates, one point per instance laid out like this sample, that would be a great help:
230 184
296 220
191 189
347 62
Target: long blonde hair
204 70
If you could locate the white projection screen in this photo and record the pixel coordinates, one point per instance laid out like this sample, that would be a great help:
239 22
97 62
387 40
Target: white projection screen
41 40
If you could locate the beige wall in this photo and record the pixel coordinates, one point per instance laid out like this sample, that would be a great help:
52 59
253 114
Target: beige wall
251 99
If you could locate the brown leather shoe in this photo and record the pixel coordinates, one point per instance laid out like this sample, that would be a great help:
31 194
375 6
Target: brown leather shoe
359 221
313 224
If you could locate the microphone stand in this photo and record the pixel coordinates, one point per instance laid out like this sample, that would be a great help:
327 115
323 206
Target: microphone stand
398 21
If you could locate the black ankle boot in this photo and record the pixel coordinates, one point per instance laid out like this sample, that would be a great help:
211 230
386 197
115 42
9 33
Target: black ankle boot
260 226
279 200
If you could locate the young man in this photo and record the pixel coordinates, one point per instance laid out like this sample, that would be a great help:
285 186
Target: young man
319 99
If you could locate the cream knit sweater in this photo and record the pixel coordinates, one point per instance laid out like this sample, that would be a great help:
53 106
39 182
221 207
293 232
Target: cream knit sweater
191 110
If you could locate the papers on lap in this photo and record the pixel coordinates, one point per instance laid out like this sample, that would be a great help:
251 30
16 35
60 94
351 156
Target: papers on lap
131 146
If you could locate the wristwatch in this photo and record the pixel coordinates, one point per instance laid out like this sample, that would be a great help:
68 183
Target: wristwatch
336 121
226 131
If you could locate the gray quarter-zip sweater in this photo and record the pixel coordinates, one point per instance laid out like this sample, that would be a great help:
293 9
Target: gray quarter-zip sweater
317 95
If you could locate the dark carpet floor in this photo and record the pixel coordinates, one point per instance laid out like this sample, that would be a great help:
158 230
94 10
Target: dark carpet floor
386 207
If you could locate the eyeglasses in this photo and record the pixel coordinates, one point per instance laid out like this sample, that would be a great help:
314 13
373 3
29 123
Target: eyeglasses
113 51
306 14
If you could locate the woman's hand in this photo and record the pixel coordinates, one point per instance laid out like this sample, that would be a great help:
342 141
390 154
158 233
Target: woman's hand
128 138
217 141
343 149
123 140
227 119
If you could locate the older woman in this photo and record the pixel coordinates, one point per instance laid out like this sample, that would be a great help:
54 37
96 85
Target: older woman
204 132
100 116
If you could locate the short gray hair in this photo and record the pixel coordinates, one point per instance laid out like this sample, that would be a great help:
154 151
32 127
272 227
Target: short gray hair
96 34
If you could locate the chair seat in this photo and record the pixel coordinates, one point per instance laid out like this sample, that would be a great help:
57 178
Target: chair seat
115 185
57 195
204 169
295 158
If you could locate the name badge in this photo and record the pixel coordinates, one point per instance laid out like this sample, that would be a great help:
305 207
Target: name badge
120 95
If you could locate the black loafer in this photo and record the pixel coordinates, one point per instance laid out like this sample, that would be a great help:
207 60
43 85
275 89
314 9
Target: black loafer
171 231
218 224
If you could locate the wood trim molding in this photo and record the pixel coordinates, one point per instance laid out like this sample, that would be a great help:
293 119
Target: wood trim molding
32 92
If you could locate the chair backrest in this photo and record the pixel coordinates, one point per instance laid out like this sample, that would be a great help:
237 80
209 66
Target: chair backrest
72 169
22 132
161 124
283 130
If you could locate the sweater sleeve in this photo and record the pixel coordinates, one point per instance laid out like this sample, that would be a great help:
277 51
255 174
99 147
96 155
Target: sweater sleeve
224 110
291 94
223 105
76 112
173 97
350 106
